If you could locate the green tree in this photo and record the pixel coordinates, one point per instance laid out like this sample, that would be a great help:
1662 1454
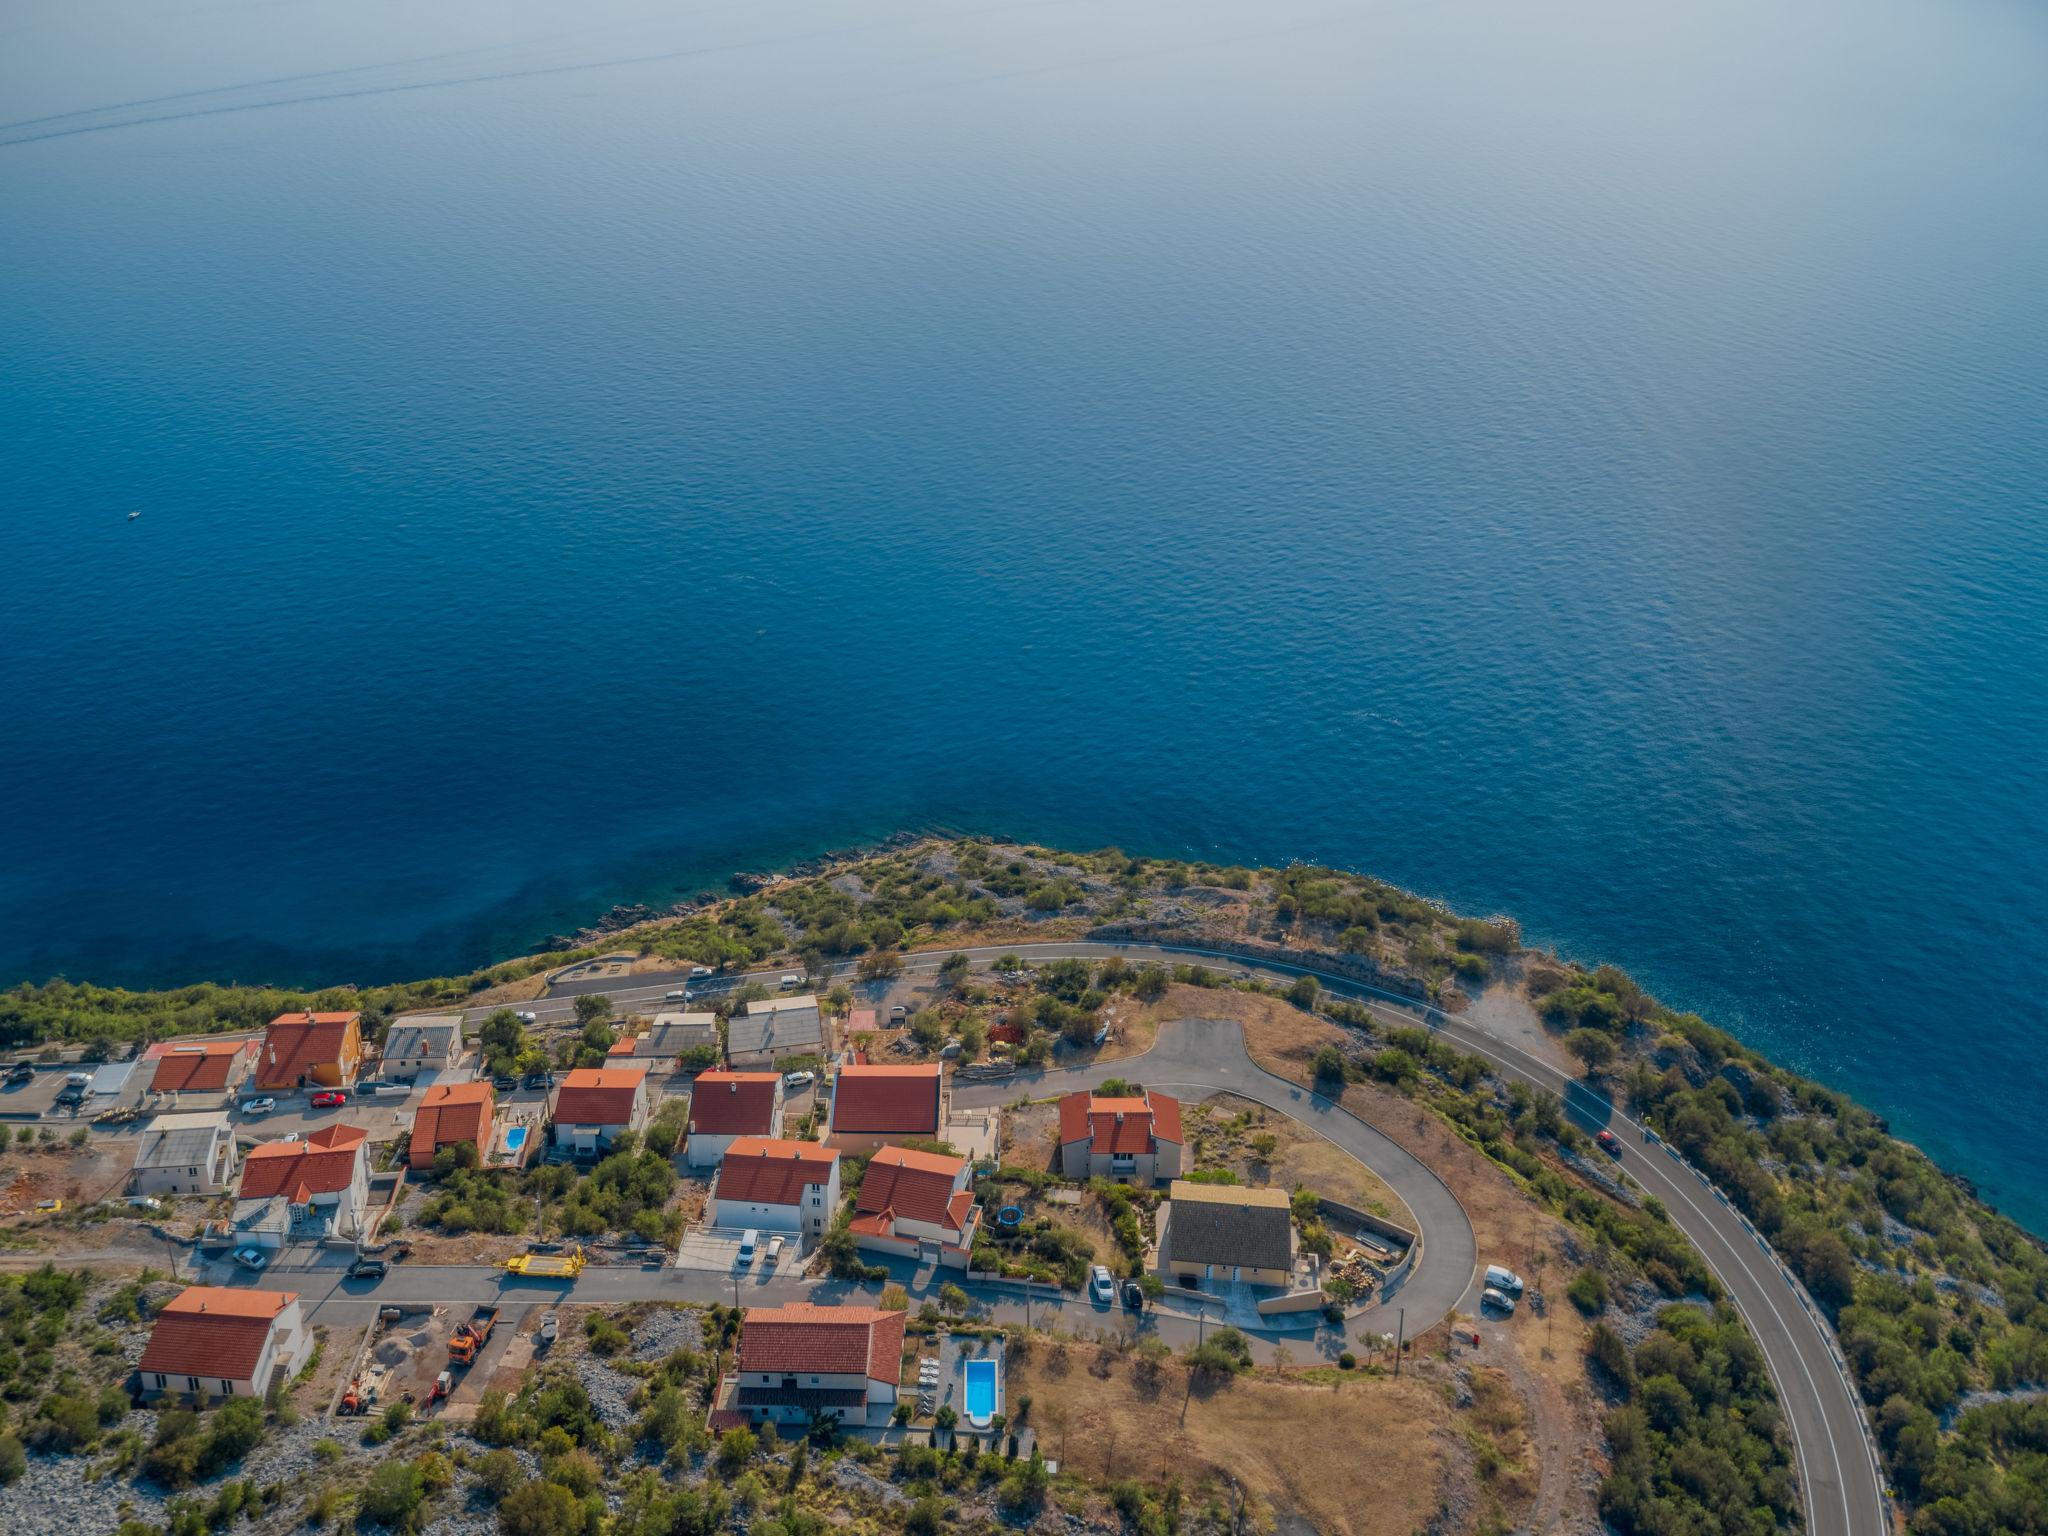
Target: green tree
392 1493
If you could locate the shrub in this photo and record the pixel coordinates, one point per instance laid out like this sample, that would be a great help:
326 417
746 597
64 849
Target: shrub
1588 1292
392 1493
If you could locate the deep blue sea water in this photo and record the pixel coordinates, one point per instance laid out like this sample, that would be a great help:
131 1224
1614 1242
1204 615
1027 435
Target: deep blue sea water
1588 460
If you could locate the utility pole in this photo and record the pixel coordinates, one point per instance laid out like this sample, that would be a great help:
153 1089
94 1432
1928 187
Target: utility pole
1400 1333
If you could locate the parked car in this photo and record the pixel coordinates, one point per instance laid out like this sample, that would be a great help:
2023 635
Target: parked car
774 1249
329 1098
504 1082
145 1203
791 981
1497 1299
1100 1286
258 1106
1134 1296
50 1205
527 1016
798 1079
1503 1279
898 1012
1609 1143
251 1258
680 995
368 1269
749 1241
540 1080
80 1079
20 1072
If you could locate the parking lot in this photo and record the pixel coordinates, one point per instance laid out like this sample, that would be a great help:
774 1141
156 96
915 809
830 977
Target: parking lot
718 1251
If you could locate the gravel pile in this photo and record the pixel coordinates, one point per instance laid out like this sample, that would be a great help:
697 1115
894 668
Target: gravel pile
53 1496
852 1476
608 1391
665 1331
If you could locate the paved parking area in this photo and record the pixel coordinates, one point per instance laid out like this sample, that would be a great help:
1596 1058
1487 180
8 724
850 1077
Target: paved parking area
718 1250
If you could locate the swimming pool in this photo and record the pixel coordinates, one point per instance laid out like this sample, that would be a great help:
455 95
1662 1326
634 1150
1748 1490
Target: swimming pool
981 1391
515 1138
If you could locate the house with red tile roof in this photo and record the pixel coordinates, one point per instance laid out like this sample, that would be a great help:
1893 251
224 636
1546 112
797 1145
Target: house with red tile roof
806 1359
213 1342
201 1066
450 1115
595 1106
875 1106
916 1205
301 1191
310 1050
777 1186
727 1105
1132 1138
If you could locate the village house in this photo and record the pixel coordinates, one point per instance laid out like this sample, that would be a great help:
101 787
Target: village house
450 1115
597 1105
874 1106
196 1068
1221 1234
185 1154
777 1186
310 1050
727 1105
673 1036
213 1342
1133 1139
916 1205
774 1029
804 1359
425 1042
302 1191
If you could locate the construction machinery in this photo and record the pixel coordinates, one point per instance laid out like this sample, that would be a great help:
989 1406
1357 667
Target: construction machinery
468 1340
549 1266
353 1401
443 1385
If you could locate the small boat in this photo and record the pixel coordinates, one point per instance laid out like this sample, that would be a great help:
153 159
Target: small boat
133 515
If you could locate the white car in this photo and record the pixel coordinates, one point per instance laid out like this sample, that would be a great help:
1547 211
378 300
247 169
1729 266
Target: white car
791 981
774 1249
749 1241
701 970
798 1079
680 995
1100 1286
527 1016
1500 1299
251 1258
1502 1279
258 1106
145 1202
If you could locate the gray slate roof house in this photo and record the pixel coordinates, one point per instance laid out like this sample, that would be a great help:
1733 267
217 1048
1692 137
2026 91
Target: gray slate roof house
426 1042
772 1027
674 1033
1224 1228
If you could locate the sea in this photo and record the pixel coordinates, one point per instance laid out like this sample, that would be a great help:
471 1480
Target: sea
468 463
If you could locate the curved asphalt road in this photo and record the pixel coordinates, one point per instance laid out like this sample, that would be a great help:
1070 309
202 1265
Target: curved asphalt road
1194 1058
1836 1456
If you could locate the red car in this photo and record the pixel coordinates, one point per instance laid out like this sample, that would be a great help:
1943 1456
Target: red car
1609 1142
329 1099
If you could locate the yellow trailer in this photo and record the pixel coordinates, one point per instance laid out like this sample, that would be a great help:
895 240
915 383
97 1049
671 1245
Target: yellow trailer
549 1266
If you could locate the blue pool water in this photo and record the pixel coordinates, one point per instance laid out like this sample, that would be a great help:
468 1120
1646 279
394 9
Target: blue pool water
979 1391
1583 460
515 1138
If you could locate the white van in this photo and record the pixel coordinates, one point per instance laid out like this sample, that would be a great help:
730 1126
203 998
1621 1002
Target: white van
680 995
791 981
749 1241
1503 1279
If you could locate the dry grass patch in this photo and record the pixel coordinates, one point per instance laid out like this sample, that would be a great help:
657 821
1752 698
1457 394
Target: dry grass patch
1264 1147
1362 1458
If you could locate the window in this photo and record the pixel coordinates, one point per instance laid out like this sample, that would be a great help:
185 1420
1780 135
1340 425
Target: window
228 1387
162 1380
195 1382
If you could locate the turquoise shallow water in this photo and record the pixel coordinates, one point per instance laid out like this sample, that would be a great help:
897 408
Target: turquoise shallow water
1584 460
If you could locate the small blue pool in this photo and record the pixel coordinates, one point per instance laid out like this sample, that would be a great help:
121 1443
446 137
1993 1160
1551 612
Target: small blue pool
515 1138
982 1391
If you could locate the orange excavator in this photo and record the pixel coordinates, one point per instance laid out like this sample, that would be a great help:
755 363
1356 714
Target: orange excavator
352 1399
468 1340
